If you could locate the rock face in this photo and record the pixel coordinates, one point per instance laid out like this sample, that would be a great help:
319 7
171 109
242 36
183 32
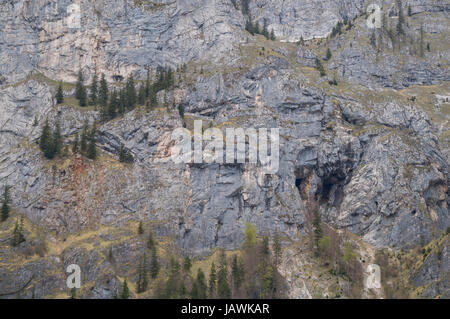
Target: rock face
372 158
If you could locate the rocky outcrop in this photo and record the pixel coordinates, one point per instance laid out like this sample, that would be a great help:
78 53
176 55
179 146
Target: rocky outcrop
374 167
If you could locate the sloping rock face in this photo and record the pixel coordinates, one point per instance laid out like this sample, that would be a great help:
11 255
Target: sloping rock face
372 160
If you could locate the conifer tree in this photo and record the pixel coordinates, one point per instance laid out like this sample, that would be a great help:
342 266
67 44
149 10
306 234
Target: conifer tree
142 276
245 7
401 18
223 288
140 228
103 95
141 95
93 99
122 102
4 213
265 251
199 287
125 291
328 57
113 103
150 240
212 281
82 101
46 141
277 249
421 43
57 139
91 149
131 93
84 139
265 31
373 40
147 85
317 224
79 85
75 144
187 264
154 267
181 110
18 235
272 35
235 273
59 94
320 67
110 255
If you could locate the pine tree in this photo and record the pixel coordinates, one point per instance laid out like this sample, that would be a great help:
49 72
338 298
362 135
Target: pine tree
267 281
142 277
59 94
79 85
131 93
147 85
18 236
94 90
75 144
57 139
320 67
245 7
199 287
4 213
265 31
140 228
141 95
150 240
212 281
317 224
83 97
272 35
154 267
235 273
46 141
401 18
113 103
125 291
277 249
328 57
181 110
265 251
103 95
373 40
187 264
249 26
257 30
122 102
223 288
84 139
421 43
110 255
91 149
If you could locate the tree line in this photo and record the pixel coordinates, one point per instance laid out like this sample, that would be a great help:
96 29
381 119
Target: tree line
51 141
249 274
